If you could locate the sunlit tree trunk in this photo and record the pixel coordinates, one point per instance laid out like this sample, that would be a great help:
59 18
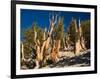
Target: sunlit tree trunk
79 45
58 43
22 51
45 45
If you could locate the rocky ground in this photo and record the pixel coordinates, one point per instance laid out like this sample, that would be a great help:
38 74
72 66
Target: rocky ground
69 59
66 59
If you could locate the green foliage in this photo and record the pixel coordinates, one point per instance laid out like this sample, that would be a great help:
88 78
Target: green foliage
73 35
71 32
29 41
86 32
59 31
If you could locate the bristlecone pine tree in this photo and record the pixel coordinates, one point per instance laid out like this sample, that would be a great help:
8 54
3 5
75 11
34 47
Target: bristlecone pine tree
39 45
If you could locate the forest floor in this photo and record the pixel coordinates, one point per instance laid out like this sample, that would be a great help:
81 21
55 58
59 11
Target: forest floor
69 59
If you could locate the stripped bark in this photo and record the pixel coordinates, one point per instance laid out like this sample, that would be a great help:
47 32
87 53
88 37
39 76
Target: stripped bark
45 45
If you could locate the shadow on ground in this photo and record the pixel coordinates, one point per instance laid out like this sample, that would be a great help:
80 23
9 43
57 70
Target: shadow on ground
77 61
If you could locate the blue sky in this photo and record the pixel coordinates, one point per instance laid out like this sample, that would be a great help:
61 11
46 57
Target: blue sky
41 17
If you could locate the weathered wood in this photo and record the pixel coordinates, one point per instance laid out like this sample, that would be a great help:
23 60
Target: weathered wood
80 44
22 47
46 43
55 51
